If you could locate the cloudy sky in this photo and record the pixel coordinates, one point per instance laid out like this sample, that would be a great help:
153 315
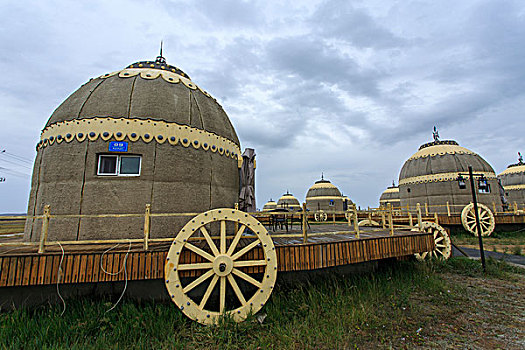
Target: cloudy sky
348 88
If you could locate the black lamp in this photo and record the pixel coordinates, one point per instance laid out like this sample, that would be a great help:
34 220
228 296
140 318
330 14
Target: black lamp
483 186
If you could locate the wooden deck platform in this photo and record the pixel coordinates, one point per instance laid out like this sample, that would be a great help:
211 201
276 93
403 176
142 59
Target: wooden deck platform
328 246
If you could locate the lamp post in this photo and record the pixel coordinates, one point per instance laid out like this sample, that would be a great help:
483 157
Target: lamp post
484 186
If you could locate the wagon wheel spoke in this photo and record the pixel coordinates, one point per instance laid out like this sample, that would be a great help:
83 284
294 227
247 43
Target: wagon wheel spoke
424 255
197 266
440 252
439 239
244 263
223 237
246 277
198 281
236 239
212 245
222 295
245 249
236 289
208 291
199 251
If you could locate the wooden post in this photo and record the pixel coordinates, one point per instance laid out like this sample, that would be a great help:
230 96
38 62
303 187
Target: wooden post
147 222
356 221
494 208
426 209
390 219
515 208
419 220
305 236
448 209
410 222
408 208
333 217
382 216
349 217
370 216
436 220
45 229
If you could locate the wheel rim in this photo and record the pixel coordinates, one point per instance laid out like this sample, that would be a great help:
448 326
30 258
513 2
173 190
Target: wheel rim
443 244
245 260
486 219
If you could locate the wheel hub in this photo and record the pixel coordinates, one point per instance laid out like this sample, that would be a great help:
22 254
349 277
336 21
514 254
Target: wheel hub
223 265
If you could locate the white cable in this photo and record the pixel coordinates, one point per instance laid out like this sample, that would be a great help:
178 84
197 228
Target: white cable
125 275
58 278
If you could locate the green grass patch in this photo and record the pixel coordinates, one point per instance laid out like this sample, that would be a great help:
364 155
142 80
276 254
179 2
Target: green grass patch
333 311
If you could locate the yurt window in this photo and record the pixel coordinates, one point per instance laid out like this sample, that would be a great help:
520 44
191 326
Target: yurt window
331 202
118 165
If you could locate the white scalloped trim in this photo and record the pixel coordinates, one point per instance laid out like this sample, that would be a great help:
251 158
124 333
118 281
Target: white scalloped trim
440 150
514 187
146 130
513 170
151 74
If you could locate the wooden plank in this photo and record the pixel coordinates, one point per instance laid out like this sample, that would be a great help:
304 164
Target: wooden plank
95 277
34 271
26 275
89 268
147 266
82 268
67 268
19 270
49 269
4 272
41 268
11 277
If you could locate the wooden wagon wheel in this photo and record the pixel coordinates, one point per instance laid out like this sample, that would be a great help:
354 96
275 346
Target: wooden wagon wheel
443 248
226 263
320 216
367 222
486 219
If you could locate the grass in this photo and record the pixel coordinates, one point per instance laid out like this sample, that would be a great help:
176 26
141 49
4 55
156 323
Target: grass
390 307
503 242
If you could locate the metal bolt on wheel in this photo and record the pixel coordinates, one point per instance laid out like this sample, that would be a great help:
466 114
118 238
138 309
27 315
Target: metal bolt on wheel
486 219
225 264
443 248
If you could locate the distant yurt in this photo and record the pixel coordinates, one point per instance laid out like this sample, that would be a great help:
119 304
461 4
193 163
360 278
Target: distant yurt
270 205
390 195
430 176
513 182
288 201
146 134
325 196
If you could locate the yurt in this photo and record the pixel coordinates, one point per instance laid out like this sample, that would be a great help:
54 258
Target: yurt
146 134
325 196
430 176
390 195
288 201
270 205
513 182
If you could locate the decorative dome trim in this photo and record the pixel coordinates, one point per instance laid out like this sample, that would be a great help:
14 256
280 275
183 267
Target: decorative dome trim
323 197
158 64
514 168
151 74
134 130
437 143
392 190
441 178
324 184
440 150
514 187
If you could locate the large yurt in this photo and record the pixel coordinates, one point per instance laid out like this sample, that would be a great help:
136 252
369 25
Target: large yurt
288 201
430 176
146 134
513 182
325 196
270 205
390 196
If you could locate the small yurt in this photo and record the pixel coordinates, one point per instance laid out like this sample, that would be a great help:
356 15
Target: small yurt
390 195
288 201
325 196
513 182
145 134
270 205
430 176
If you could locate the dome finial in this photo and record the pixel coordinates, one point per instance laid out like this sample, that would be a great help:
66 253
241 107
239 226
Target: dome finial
393 183
160 59
435 134
520 158
322 176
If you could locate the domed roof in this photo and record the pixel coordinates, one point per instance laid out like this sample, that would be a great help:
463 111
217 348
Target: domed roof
288 199
440 160
159 96
514 176
270 205
323 188
389 194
